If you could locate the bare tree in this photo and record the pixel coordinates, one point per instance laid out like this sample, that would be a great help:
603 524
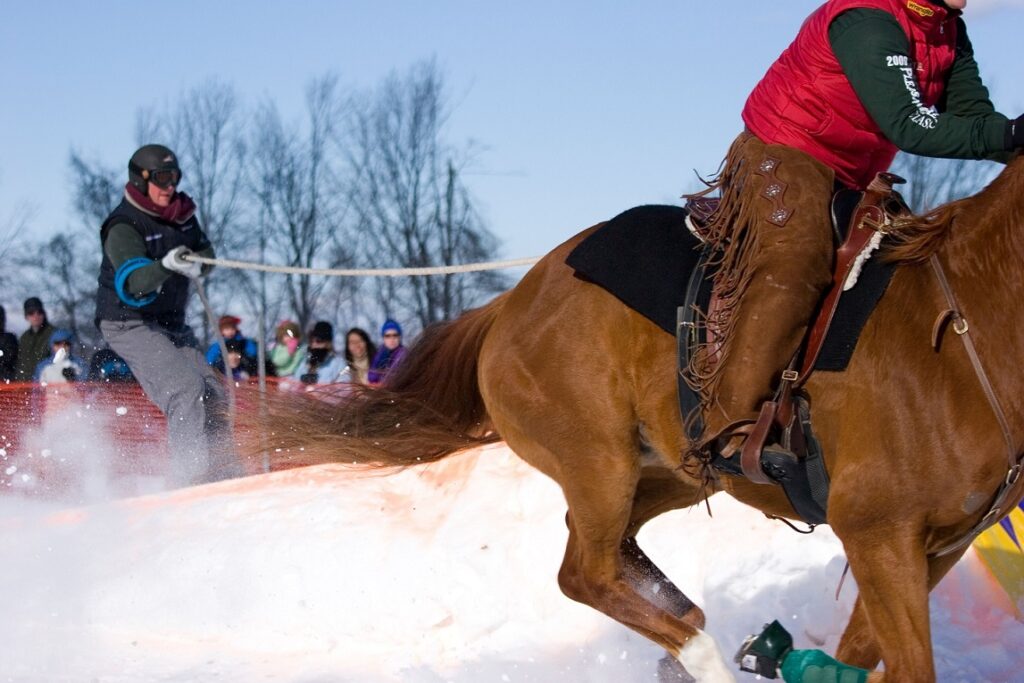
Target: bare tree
296 183
97 189
931 181
62 272
412 209
206 127
68 273
207 130
62 269
12 226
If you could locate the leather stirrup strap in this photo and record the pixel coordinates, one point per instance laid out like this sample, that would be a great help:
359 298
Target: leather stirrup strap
868 219
750 456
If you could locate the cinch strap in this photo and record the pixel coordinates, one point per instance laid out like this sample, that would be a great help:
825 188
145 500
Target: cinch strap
121 281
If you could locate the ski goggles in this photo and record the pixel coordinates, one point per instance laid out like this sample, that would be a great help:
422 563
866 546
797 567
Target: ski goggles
163 178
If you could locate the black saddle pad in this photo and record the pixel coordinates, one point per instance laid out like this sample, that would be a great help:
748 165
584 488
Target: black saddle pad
644 257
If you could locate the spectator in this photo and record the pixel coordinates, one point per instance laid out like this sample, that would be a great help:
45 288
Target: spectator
390 352
62 365
34 345
107 366
8 350
321 364
228 325
143 291
242 365
358 352
288 350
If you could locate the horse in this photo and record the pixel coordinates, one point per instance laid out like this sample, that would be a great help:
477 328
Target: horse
584 389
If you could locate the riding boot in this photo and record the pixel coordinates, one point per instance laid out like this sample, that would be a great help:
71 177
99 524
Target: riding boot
776 250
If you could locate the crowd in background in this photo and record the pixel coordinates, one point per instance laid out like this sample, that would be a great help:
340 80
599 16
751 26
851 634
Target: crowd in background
46 354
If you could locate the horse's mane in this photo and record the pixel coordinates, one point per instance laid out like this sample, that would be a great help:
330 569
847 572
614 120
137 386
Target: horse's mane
914 238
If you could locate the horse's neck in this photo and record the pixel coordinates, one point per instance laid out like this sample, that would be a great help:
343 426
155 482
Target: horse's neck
984 260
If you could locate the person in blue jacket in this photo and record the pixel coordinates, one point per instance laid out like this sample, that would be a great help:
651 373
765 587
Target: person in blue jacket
228 325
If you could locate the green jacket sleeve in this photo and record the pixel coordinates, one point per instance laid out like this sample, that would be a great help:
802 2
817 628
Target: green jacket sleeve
123 242
875 56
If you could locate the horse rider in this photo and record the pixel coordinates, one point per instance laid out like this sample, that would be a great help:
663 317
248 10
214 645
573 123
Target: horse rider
140 311
862 80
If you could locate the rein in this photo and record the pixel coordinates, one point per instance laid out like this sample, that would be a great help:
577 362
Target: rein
1009 489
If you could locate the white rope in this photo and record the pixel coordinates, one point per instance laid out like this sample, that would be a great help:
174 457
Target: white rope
364 272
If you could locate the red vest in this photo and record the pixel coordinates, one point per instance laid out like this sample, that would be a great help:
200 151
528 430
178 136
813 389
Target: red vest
805 100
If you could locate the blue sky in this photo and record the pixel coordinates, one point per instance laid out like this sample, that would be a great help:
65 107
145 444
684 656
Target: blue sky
583 109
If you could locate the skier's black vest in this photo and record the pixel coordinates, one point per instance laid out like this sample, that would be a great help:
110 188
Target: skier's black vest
169 307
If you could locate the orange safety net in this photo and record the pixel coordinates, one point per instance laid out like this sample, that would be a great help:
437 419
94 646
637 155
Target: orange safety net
55 437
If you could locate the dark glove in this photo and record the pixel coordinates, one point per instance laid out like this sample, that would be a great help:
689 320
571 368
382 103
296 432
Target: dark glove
1015 133
69 374
309 378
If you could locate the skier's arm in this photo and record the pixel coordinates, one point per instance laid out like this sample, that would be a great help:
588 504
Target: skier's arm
123 242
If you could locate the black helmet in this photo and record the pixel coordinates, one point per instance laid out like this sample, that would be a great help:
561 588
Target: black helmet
153 163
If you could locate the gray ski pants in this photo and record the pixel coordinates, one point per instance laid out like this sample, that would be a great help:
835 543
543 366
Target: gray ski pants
175 376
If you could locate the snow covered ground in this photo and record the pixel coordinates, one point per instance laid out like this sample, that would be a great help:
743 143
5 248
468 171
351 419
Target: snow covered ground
436 574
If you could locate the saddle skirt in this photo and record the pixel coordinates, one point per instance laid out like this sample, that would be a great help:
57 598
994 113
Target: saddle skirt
646 255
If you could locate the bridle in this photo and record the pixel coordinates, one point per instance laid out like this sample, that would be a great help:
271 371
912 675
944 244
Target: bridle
1009 491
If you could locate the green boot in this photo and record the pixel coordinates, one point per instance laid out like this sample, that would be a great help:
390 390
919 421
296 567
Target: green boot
763 654
772 651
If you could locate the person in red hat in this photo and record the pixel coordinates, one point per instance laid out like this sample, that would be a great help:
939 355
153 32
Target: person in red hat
228 325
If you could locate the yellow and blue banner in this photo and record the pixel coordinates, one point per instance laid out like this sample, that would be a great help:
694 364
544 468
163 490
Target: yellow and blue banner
1001 548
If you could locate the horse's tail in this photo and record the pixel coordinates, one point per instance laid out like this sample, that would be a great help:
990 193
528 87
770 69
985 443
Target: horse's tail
428 408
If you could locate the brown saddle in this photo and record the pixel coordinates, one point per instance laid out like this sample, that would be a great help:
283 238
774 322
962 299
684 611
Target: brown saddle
787 414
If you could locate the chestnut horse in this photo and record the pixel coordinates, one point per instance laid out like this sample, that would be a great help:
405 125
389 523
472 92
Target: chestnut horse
584 389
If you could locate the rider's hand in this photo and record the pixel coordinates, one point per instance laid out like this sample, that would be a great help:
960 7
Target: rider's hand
174 262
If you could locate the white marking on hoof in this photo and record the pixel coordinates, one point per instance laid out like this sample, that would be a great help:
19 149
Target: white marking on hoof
704 660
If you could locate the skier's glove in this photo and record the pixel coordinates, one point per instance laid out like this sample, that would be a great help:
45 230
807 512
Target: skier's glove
174 262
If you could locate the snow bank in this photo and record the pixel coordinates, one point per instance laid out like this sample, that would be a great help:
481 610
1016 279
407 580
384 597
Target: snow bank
438 573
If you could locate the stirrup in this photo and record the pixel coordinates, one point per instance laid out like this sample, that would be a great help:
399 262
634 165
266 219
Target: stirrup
776 462
730 465
779 463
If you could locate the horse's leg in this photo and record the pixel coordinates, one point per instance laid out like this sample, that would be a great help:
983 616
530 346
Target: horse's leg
578 423
894 577
655 495
598 573
858 646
